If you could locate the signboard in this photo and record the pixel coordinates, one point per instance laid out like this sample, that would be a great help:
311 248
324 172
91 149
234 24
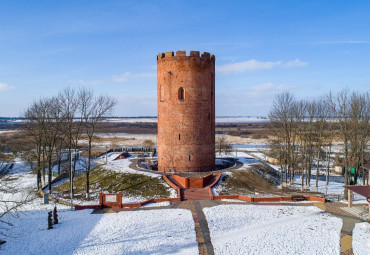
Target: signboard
111 198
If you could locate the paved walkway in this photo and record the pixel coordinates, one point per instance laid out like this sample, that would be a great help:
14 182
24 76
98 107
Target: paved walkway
201 226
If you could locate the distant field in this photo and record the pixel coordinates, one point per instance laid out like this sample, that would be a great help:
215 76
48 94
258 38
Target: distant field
253 127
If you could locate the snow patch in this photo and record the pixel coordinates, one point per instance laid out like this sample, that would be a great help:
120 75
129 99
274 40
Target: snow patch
361 239
251 229
168 231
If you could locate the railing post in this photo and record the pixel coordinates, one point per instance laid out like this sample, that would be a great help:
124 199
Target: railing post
101 199
350 198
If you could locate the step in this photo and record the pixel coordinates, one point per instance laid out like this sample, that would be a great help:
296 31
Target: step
356 211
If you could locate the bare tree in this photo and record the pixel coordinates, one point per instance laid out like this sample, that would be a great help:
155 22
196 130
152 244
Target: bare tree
53 127
148 143
282 122
35 116
341 109
93 109
320 122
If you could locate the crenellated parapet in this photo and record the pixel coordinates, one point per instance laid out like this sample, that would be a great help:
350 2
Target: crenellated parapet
182 54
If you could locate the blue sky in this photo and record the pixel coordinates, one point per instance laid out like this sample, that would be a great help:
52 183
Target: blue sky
261 48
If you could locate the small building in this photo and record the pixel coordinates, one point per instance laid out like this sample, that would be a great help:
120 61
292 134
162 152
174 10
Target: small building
366 169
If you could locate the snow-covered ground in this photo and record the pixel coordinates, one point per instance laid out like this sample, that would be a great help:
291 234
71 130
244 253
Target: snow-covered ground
122 165
168 231
243 157
361 239
335 187
158 204
6 131
233 200
252 229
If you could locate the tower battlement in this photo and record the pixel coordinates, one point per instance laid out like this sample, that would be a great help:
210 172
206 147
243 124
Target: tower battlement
182 53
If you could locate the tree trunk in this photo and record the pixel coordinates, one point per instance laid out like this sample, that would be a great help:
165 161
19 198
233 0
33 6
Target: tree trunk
50 174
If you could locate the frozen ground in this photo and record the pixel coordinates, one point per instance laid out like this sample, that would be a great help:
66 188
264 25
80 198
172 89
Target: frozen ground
122 166
6 131
252 229
361 239
233 200
243 157
168 231
125 135
158 204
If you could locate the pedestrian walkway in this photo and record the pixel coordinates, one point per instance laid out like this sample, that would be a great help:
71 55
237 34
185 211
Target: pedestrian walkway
201 226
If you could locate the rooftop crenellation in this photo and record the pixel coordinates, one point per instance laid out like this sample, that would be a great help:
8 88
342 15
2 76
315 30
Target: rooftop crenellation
182 53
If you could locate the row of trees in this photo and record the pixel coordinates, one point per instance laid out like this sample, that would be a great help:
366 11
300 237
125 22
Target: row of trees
56 124
304 131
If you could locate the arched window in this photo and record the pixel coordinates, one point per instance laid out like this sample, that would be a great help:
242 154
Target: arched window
181 93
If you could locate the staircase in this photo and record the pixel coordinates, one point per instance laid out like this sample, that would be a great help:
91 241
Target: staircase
193 193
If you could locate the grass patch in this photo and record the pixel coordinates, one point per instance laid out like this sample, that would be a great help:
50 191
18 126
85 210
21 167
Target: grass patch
110 181
245 182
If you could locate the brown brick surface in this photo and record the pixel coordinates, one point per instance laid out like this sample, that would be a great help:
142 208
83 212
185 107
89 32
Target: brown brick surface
186 125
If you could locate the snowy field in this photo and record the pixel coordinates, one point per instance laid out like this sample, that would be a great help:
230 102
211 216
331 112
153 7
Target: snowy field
125 135
361 239
226 119
168 231
6 131
252 229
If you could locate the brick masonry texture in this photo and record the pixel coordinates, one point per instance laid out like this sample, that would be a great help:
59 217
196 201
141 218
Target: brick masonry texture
186 111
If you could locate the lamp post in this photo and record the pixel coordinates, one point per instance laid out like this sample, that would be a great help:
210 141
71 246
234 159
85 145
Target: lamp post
327 171
71 176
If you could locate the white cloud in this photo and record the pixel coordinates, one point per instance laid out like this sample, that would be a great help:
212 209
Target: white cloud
4 87
263 86
253 65
124 77
342 42
85 83
249 65
295 63
271 87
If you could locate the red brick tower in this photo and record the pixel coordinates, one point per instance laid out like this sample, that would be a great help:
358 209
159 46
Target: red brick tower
186 111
